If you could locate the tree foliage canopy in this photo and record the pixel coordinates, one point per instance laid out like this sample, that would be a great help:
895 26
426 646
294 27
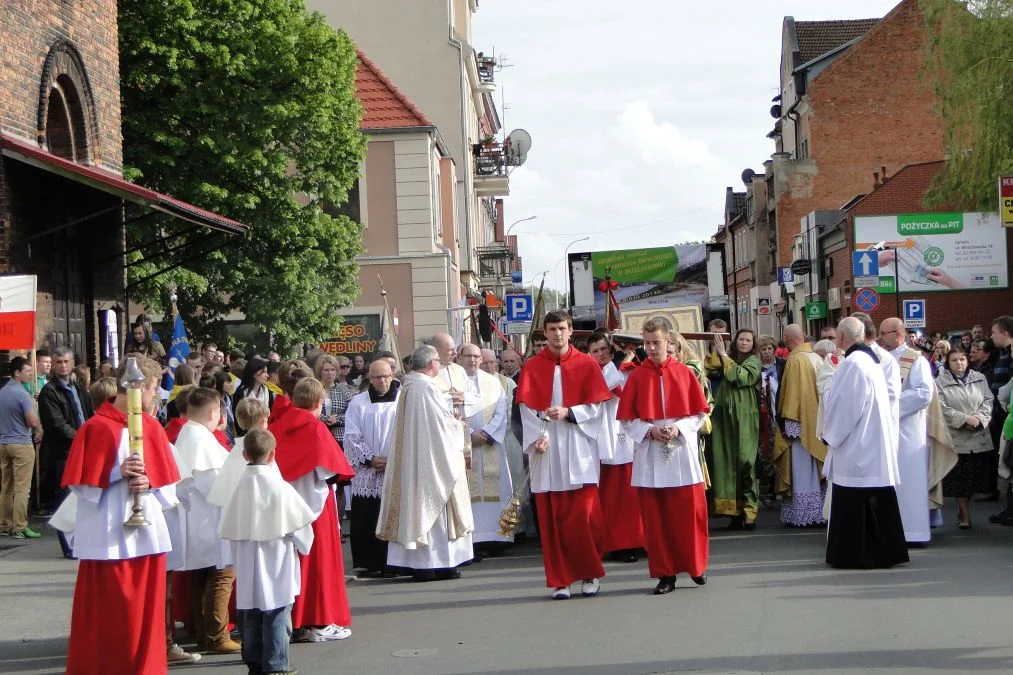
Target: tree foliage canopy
246 108
971 57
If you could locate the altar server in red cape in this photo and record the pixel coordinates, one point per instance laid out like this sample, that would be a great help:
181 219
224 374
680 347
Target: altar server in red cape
623 531
311 460
118 621
662 408
561 395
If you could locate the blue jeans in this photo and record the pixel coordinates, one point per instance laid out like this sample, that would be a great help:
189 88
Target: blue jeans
266 635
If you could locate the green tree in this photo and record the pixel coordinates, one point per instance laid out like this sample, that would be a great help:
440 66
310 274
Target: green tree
246 108
970 56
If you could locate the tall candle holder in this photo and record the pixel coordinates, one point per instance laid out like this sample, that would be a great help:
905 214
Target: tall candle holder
133 381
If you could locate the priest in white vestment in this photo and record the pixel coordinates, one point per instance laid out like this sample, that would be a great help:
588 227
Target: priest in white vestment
860 431
425 508
369 432
489 477
917 390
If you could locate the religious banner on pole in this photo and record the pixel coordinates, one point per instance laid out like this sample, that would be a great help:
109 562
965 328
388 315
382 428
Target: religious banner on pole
17 311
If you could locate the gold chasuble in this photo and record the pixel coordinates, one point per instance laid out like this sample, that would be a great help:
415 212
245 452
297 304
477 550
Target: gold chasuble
484 474
798 400
942 457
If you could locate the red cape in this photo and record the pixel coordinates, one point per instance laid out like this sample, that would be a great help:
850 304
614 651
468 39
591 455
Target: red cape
222 439
583 382
174 426
97 443
304 443
641 397
281 404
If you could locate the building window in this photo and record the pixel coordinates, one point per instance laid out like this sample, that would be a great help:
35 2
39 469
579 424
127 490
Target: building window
353 206
67 123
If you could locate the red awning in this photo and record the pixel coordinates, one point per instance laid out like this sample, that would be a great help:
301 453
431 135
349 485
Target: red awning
107 181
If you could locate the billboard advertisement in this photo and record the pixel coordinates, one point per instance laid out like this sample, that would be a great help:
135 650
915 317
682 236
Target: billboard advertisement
358 334
936 251
647 278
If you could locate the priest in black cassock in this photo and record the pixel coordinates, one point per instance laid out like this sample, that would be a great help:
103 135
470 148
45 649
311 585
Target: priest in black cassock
861 431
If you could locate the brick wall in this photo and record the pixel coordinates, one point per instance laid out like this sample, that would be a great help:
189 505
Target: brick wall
870 108
28 29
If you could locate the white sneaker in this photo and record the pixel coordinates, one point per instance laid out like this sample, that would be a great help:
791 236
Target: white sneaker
327 633
590 587
562 593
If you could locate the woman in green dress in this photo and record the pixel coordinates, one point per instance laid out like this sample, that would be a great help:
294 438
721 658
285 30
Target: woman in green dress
736 419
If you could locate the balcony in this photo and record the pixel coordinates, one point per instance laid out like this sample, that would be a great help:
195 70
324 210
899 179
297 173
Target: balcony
486 72
492 175
494 265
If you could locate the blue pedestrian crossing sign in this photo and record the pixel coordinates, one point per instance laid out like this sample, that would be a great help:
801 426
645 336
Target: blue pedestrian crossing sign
914 314
864 264
519 307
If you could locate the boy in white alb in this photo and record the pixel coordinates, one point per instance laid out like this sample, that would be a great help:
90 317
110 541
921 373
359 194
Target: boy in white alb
265 523
251 413
208 559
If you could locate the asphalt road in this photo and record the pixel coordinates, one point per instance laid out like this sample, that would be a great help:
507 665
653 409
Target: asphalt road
771 606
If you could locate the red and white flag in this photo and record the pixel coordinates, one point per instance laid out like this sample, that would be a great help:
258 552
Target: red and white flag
17 311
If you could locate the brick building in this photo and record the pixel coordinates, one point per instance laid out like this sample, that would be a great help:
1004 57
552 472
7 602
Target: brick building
853 99
903 193
63 202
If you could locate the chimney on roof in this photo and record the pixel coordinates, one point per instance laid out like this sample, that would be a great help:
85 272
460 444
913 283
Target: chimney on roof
883 169
875 179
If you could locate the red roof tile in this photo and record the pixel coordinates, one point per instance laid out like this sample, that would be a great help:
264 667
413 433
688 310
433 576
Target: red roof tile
384 106
816 38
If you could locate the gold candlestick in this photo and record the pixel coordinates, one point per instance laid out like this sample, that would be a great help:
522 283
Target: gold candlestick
133 381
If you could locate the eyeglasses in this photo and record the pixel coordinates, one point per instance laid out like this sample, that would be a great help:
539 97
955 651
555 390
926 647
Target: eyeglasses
346 367
887 332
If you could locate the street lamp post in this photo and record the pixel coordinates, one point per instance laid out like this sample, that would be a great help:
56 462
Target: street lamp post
514 224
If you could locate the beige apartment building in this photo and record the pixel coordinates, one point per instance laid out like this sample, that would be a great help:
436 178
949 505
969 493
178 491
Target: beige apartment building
426 48
405 200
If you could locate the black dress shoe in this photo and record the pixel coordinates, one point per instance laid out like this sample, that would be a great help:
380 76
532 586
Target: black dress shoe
665 585
423 576
996 518
700 580
750 526
737 523
446 575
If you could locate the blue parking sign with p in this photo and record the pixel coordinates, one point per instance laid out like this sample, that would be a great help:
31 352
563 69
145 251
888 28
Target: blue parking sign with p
914 313
519 307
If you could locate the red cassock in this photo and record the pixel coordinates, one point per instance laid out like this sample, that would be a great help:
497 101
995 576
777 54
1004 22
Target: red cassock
675 518
117 625
621 522
569 521
304 444
280 405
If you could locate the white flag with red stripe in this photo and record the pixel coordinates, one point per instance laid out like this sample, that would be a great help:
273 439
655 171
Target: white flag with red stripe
17 311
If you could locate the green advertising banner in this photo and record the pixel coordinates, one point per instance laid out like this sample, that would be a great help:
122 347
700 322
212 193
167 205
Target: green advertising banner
639 265
816 310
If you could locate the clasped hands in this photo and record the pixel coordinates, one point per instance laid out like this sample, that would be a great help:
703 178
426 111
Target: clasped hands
132 470
665 434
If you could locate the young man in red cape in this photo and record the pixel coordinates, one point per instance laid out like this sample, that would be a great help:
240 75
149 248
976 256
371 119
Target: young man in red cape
662 408
561 395
118 621
623 533
311 460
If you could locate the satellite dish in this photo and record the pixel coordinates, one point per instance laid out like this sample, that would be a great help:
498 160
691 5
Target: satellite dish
775 111
747 176
517 144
